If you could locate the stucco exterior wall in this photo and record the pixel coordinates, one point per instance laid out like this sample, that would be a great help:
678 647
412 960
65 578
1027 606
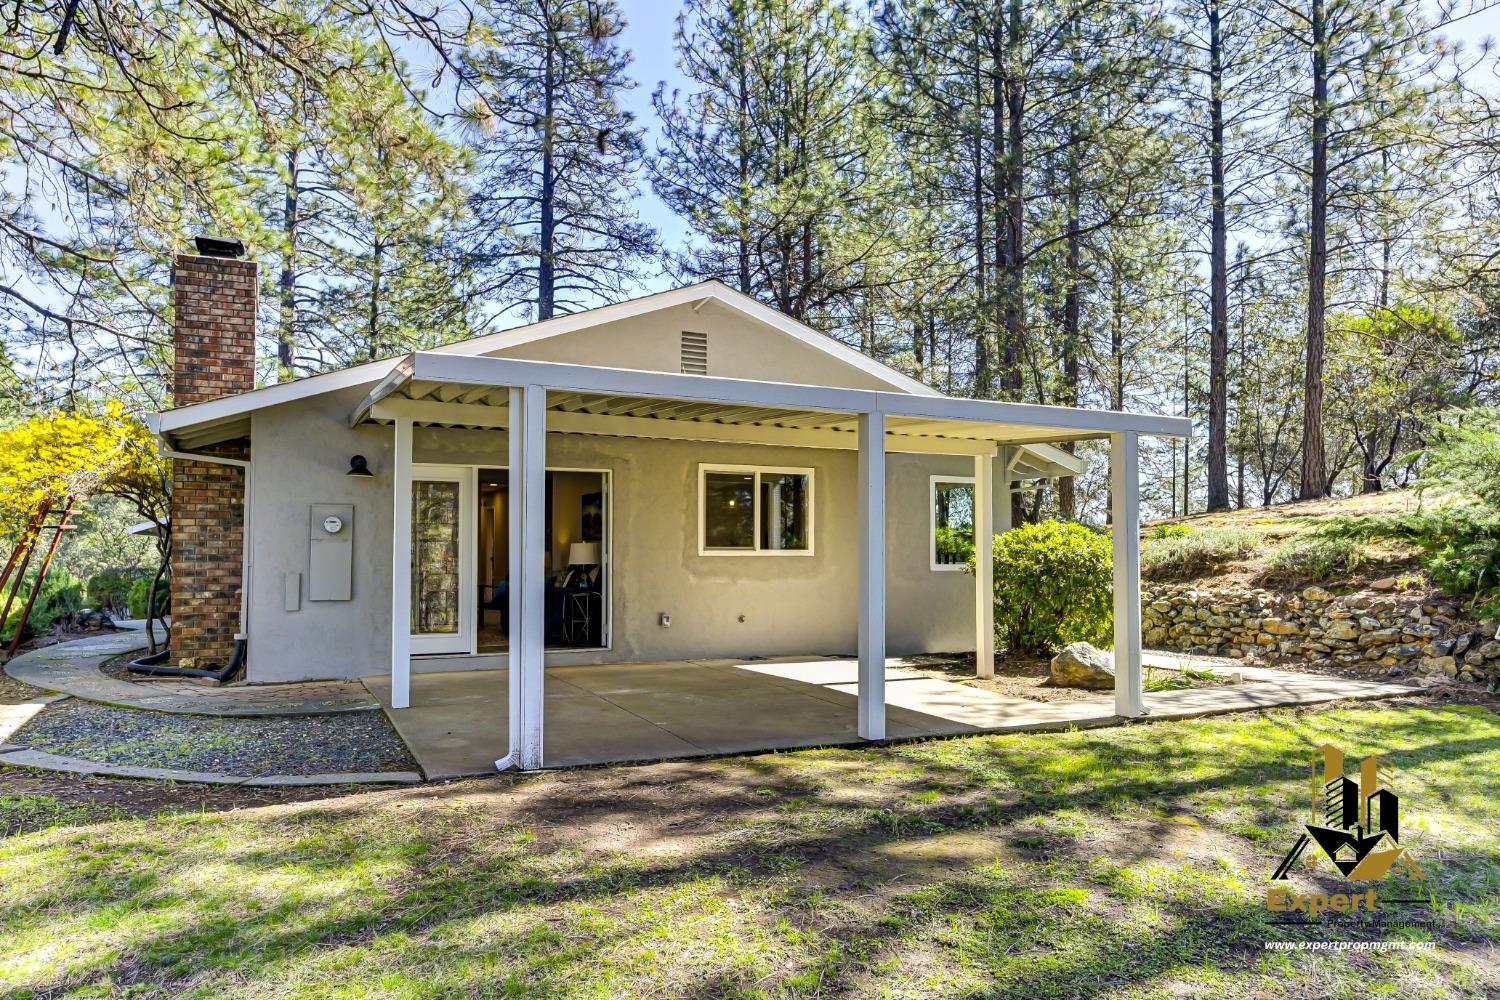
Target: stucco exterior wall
791 604
738 347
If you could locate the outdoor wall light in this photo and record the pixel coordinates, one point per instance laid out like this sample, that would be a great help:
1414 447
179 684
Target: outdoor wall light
358 466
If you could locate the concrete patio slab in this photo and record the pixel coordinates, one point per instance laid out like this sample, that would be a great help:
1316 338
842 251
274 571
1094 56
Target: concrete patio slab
456 724
655 711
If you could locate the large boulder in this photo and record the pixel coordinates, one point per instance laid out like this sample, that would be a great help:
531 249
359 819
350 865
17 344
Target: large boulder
1080 665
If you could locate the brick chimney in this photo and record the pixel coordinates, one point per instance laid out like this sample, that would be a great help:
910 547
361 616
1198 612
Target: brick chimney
215 296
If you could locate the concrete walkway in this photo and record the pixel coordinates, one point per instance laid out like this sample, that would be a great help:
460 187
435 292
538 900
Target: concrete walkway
73 668
637 712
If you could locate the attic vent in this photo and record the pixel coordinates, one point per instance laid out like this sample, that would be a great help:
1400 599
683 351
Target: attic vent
694 353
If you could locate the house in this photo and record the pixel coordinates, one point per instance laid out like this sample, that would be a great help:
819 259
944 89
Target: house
688 474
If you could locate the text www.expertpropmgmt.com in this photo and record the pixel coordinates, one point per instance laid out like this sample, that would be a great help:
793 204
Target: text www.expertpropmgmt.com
1350 945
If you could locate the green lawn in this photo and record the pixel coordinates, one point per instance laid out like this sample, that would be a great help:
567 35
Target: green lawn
1122 862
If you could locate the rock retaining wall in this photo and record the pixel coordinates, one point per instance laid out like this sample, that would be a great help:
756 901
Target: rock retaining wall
1422 634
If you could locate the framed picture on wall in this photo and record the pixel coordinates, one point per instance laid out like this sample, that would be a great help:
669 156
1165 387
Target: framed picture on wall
593 517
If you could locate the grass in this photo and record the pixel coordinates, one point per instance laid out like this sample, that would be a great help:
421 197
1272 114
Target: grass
1289 544
23 813
1177 680
1316 558
1182 554
1126 862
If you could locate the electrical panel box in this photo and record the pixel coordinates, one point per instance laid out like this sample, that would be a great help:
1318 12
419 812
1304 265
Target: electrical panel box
330 565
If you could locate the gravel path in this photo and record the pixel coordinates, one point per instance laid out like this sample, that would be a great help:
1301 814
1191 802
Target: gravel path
252 747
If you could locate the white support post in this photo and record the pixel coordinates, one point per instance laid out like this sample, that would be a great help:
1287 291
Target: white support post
515 425
1125 529
528 491
872 576
984 565
401 566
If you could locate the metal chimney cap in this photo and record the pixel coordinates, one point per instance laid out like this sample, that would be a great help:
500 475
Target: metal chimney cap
217 246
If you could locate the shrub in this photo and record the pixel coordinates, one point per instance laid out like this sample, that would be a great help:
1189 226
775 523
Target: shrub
1175 555
1315 556
1169 531
61 594
138 592
954 546
1464 456
109 590
1460 546
1052 587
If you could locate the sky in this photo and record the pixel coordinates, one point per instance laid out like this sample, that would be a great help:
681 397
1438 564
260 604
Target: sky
648 35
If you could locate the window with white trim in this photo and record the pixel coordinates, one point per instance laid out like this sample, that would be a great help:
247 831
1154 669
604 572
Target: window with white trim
951 502
754 510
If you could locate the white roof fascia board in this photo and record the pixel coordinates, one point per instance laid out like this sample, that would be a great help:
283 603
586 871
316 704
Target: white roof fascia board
271 395
1057 456
571 322
394 379
698 295
431 367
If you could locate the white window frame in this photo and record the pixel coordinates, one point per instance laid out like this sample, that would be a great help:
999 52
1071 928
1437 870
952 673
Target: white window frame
757 470
932 525
461 642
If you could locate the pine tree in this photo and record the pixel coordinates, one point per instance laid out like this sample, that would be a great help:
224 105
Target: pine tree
1368 81
555 228
1227 105
773 156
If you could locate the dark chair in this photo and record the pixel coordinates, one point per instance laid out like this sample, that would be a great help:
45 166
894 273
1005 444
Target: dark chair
555 610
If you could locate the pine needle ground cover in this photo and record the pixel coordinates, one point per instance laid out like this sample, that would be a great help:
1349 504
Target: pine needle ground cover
1128 862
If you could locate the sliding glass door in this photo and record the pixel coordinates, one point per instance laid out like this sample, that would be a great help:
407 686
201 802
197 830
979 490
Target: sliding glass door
442 559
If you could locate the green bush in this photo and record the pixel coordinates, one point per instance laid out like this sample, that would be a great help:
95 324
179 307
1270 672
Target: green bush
109 590
61 594
954 547
1464 455
1183 555
138 592
1169 531
1052 587
1315 556
1460 545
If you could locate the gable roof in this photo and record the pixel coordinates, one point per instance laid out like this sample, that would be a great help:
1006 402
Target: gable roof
232 409
696 294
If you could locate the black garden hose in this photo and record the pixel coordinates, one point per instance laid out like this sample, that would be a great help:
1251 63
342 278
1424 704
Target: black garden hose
149 665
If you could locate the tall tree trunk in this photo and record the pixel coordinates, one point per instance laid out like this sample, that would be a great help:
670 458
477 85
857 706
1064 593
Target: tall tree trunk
286 332
1218 327
372 313
1117 339
1013 284
982 373
1067 501
1314 482
545 279
742 191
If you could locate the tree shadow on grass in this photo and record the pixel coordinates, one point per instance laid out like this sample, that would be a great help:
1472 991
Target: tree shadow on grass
428 881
